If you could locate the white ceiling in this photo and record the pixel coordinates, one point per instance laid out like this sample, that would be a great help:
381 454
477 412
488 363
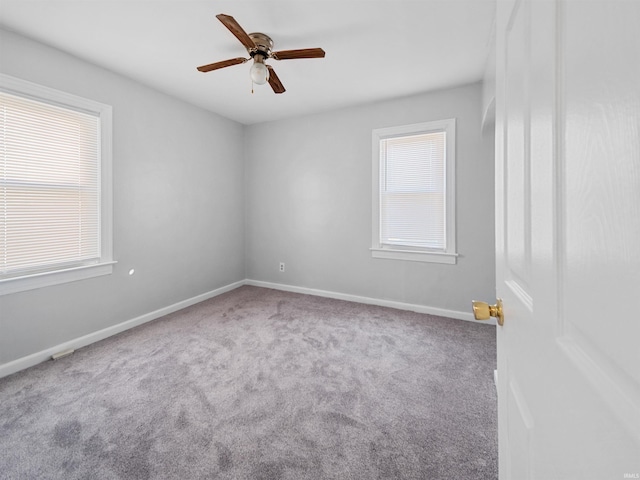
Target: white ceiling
375 50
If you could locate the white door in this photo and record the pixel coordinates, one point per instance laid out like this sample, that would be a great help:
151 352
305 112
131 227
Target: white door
568 238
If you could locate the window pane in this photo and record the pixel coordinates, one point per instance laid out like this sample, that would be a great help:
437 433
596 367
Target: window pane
412 196
49 186
414 163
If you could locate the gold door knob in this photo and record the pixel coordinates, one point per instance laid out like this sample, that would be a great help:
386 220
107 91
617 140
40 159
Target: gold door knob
483 311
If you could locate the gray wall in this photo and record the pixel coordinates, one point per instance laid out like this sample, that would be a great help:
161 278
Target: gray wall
178 206
308 184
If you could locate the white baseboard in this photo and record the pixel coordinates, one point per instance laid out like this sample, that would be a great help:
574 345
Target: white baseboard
43 355
442 312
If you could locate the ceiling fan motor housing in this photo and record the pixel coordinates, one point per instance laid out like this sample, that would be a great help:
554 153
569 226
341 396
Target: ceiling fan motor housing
263 43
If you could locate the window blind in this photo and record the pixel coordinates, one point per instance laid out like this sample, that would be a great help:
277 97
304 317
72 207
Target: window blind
49 186
412 191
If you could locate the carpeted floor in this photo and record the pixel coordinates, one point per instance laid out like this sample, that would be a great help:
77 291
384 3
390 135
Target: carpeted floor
261 384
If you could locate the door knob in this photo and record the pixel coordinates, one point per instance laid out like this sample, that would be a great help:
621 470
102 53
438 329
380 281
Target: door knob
482 311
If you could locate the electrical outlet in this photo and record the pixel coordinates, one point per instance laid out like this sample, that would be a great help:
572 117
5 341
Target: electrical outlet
282 266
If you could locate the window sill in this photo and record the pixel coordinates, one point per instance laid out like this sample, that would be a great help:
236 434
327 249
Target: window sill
45 279
415 256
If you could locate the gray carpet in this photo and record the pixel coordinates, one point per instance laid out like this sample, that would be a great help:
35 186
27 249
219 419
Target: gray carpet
261 384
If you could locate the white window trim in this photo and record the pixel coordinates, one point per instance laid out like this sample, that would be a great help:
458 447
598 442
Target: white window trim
105 265
449 255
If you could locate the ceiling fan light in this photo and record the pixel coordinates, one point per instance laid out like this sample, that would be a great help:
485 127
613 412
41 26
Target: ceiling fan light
259 73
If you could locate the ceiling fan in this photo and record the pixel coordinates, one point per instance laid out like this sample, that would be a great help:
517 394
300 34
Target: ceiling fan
259 47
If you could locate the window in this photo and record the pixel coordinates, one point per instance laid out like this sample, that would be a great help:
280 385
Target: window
414 192
55 187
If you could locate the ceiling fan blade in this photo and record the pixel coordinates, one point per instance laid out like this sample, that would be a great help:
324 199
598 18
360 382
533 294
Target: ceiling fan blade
274 81
302 53
222 64
235 28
